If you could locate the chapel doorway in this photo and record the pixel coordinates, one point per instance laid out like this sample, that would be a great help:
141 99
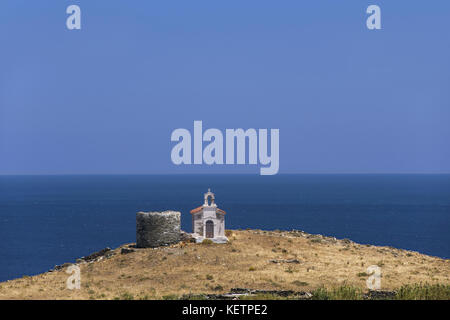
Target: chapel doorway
209 229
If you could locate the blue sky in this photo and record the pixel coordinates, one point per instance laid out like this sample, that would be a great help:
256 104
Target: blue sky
106 98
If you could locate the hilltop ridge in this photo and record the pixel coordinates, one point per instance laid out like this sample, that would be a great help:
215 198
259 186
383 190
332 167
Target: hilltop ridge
262 261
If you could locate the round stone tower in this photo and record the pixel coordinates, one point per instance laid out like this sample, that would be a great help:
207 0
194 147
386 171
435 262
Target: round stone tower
155 229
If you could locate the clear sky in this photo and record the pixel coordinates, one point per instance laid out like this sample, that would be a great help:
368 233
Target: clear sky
106 98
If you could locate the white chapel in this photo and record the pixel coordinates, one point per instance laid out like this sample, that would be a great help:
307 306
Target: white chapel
208 221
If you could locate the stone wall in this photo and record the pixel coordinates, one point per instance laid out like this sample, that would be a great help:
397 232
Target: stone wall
155 229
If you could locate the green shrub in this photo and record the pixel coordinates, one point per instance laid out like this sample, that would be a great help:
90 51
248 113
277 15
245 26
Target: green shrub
300 283
320 294
127 296
363 274
194 297
346 293
289 270
339 293
262 296
423 292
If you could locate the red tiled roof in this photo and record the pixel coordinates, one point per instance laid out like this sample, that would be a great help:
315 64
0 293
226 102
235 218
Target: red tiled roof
198 209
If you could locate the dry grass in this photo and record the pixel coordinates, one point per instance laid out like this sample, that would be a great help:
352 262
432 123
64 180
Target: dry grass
164 273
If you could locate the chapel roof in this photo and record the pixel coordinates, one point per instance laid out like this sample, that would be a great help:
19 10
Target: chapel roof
199 209
196 210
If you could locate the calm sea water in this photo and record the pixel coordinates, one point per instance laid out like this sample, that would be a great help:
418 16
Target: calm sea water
48 220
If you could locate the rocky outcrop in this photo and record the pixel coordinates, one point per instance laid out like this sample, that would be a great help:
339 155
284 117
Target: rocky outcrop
186 237
94 256
126 250
379 295
285 261
236 293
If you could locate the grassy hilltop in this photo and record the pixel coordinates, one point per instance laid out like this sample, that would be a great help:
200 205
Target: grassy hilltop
254 259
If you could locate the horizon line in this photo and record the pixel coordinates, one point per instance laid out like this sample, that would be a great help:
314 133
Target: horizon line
221 173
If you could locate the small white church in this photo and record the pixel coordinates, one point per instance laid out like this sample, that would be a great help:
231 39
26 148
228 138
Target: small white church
208 221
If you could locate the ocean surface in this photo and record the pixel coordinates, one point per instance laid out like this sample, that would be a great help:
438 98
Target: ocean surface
49 220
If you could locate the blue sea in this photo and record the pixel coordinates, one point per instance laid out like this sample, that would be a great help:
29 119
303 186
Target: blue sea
49 220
